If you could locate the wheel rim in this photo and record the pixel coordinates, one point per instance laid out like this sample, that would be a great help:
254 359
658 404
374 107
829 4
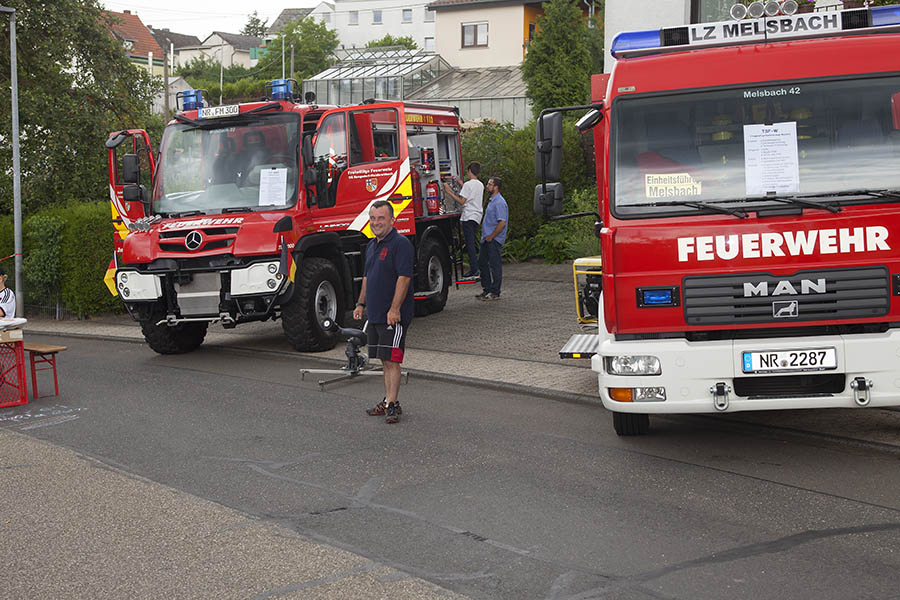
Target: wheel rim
435 274
326 303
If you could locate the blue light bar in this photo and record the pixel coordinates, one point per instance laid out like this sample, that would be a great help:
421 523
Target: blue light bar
635 40
282 89
885 15
656 297
190 99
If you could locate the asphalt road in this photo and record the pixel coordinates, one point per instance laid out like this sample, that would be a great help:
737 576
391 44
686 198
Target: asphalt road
481 492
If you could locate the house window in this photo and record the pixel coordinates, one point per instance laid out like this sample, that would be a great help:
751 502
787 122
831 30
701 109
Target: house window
326 18
407 15
708 11
429 44
474 34
376 17
429 16
354 17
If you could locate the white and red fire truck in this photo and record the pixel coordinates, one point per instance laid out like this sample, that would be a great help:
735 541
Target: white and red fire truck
260 211
748 175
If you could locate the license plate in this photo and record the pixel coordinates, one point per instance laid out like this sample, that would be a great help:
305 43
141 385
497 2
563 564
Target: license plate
213 112
782 361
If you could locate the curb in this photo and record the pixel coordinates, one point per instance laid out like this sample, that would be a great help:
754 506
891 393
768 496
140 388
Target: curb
500 386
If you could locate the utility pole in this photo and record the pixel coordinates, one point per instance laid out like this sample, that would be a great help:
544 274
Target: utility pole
292 60
166 80
221 68
282 53
17 167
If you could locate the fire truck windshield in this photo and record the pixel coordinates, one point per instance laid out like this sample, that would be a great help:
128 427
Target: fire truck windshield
752 147
228 165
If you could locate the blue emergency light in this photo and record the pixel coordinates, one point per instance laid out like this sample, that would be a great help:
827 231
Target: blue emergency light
755 30
190 99
658 296
281 89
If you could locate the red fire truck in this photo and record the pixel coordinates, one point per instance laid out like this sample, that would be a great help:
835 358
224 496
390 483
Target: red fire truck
748 175
260 211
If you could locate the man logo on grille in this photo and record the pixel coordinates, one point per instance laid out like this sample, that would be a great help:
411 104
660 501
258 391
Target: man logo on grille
786 310
193 240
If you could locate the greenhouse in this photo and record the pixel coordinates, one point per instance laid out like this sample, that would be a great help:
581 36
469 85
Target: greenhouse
383 73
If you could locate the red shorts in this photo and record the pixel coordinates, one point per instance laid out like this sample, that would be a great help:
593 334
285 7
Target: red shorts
387 342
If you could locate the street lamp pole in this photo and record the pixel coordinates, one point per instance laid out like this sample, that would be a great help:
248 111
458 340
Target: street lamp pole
17 168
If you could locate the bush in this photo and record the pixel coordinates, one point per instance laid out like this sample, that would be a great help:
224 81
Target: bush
72 244
509 154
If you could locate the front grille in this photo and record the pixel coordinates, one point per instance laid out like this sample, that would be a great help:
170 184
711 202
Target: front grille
180 233
180 247
795 386
727 300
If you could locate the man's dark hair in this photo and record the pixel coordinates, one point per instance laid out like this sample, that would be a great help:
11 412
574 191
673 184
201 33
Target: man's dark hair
381 203
497 182
474 167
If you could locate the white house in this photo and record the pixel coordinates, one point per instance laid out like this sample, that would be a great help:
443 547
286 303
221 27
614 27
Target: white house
358 22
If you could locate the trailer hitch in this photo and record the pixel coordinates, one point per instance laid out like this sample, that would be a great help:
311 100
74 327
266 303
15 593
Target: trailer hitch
861 387
720 393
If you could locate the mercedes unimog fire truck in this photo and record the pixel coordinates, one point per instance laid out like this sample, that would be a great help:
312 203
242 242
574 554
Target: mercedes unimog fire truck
260 211
748 175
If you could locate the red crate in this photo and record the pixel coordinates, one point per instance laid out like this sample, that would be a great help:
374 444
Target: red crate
13 390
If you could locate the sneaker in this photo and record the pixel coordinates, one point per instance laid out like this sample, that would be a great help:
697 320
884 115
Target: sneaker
380 409
492 297
392 413
481 296
471 275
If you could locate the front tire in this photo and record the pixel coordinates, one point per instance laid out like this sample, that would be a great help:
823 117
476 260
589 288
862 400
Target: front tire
317 297
631 423
433 270
178 339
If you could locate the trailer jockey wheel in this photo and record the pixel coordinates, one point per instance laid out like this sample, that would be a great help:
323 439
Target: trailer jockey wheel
357 362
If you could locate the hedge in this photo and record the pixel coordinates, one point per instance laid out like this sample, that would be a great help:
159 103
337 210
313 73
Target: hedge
76 257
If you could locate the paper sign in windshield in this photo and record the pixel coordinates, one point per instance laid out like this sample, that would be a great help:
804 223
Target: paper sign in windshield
770 159
671 185
273 187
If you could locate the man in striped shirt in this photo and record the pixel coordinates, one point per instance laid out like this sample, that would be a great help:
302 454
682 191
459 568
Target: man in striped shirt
7 298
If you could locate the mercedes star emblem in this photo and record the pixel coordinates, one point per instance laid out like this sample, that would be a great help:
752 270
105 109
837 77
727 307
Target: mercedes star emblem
193 240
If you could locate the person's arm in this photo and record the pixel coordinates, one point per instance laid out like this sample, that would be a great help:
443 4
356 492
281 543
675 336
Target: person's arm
490 237
456 197
400 290
361 303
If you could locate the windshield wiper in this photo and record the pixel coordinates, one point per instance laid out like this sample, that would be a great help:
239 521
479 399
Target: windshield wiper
264 107
234 209
892 194
801 201
187 213
740 214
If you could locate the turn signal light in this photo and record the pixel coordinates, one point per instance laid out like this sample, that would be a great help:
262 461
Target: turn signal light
622 394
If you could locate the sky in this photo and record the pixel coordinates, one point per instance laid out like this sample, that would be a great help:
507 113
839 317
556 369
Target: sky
202 17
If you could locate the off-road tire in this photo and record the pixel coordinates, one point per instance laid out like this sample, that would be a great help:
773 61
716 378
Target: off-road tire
432 252
177 339
299 318
631 423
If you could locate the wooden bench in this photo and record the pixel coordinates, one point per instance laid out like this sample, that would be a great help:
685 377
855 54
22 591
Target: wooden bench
42 354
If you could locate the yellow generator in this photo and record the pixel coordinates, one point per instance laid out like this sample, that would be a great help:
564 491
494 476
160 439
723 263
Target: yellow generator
586 273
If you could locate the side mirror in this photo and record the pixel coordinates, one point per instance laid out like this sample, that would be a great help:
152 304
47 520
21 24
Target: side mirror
548 147
306 152
895 110
588 121
136 193
323 197
131 168
549 202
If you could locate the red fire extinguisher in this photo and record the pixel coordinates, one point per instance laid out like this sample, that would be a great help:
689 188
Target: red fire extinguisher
432 198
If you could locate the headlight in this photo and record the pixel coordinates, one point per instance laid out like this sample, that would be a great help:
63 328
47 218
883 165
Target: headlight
632 365
138 286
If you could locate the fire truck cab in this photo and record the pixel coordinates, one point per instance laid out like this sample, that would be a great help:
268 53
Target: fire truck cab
748 177
260 211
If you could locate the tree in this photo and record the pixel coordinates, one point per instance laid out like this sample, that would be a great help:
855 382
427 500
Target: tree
255 26
388 40
558 65
314 45
75 86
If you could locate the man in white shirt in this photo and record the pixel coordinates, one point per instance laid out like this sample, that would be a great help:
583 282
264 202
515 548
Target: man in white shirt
471 197
7 298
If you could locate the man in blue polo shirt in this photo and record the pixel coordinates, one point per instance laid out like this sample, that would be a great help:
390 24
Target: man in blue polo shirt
387 297
493 235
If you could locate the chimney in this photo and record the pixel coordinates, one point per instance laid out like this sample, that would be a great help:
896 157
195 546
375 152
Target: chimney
126 12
